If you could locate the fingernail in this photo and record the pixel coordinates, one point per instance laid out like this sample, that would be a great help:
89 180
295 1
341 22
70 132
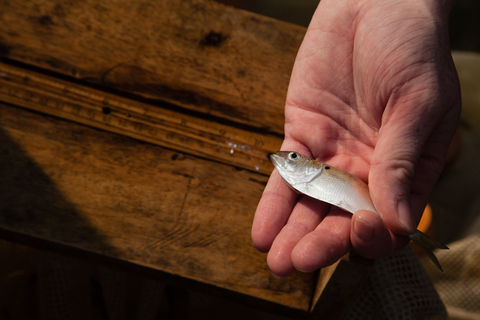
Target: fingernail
405 215
363 229
278 277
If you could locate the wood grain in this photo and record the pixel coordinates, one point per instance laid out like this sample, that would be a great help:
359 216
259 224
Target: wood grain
200 55
102 193
175 130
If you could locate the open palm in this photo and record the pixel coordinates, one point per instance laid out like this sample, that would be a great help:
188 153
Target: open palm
373 92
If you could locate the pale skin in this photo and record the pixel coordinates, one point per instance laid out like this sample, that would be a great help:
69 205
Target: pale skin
373 92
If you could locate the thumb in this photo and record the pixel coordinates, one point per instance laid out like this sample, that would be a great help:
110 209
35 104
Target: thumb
408 159
389 183
393 170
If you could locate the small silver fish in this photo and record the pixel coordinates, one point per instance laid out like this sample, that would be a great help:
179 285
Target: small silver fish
339 188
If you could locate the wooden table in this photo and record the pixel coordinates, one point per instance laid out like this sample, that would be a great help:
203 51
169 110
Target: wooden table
138 133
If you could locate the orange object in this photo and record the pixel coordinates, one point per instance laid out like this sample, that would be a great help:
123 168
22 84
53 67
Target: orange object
426 221
425 226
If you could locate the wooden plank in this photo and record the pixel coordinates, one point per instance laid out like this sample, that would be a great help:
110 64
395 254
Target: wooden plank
200 55
142 121
69 185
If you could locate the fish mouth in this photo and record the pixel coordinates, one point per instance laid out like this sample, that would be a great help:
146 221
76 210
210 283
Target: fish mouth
278 159
275 159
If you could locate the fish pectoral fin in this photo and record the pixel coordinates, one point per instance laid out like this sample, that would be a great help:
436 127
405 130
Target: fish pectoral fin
310 174
427 244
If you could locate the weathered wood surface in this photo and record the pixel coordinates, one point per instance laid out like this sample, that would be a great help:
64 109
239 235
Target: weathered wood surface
66 185
197 54
106 194
29 91
81 104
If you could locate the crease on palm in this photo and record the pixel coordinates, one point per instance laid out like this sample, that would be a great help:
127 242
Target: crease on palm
329 125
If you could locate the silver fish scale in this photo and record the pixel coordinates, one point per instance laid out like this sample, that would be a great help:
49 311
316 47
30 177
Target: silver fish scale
350 194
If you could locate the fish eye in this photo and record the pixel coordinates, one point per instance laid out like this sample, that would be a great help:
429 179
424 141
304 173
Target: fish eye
292 156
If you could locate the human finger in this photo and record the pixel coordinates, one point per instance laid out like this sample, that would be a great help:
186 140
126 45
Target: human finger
276 204
371 237
326 244
305 217
272 212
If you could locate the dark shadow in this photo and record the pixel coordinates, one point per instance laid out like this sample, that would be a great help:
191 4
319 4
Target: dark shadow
34 212
464 25
32 209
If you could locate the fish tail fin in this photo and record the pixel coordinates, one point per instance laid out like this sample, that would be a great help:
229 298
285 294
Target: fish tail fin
427 244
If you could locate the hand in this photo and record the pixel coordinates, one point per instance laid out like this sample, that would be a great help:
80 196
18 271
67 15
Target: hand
373 92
